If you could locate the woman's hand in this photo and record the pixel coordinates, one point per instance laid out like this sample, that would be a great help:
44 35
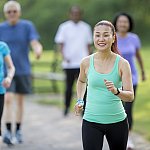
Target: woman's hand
7 82
79 107
110 86
143 76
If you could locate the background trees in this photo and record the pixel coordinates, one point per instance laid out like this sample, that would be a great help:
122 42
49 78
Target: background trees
48 14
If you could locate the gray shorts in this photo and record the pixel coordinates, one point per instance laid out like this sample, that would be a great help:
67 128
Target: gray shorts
21 84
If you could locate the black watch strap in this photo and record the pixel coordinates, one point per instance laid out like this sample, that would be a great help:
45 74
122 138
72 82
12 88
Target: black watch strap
117 92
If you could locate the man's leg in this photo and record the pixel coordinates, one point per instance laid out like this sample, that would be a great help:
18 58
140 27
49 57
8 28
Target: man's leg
68 92
19 109
23 86
19 115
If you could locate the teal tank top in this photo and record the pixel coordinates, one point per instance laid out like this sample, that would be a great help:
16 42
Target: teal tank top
102 106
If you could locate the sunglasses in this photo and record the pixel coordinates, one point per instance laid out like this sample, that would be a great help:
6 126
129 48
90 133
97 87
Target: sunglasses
11 11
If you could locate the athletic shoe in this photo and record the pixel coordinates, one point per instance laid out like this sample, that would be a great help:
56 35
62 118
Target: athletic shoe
18 136
130 145
7 139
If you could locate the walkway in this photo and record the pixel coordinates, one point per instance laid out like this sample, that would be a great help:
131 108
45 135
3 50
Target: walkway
45 128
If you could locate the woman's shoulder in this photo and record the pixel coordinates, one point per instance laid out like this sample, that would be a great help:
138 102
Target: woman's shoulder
123 61
86 60
2 44
133 35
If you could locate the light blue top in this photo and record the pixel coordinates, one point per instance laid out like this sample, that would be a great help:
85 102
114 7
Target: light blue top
102 106
128 46
4 51
18 38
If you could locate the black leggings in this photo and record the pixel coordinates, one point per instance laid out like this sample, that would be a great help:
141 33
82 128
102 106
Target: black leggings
129 108
93 135
1 108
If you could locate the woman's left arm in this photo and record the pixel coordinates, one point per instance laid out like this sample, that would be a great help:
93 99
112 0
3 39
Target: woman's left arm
127 93
139 59
10 71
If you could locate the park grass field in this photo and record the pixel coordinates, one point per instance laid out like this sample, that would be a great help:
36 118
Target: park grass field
141 104
142 101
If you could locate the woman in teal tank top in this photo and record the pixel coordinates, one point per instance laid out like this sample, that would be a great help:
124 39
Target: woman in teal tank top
105 73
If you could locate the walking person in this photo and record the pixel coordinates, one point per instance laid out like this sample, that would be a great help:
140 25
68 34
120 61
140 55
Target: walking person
19 34
105 72
129 46
74 38
4 81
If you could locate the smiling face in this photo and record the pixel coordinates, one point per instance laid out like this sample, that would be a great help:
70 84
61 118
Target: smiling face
103 38
122 24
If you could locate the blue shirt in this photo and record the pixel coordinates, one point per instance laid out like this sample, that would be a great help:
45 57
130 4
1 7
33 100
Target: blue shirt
18 38
4 51
128 46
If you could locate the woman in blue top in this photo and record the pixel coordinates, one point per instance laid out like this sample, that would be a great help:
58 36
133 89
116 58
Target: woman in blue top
129 46
105 72
4 81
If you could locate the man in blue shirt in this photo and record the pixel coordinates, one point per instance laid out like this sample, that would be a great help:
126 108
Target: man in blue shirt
19 34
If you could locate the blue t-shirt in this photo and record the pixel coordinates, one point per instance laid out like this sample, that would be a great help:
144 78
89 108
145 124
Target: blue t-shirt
18 38
4 51
128 46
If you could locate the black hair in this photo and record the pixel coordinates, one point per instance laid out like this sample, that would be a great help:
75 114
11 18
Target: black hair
75 7
131 24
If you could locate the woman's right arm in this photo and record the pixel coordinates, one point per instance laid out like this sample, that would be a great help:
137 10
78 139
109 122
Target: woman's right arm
81 83
10 71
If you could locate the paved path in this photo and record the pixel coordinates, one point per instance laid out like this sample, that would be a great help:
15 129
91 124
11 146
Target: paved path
45 128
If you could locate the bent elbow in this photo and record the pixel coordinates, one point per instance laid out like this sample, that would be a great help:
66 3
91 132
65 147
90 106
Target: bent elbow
131 99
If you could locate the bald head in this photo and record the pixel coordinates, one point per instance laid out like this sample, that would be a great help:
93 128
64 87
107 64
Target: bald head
75 13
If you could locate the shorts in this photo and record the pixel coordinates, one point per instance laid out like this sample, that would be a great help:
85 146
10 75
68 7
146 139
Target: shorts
21 84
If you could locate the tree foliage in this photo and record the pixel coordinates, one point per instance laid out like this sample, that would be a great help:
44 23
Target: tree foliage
48 14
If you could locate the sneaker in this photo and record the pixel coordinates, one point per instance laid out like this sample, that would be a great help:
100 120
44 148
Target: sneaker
7 139
130 145
18 136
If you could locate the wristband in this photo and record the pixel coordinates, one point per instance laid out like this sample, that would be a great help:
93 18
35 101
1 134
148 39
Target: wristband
80 102
9 77
117 92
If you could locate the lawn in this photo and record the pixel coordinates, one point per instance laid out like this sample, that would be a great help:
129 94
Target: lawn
142 102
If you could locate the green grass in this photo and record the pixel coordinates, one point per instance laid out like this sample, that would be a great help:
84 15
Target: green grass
142 102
